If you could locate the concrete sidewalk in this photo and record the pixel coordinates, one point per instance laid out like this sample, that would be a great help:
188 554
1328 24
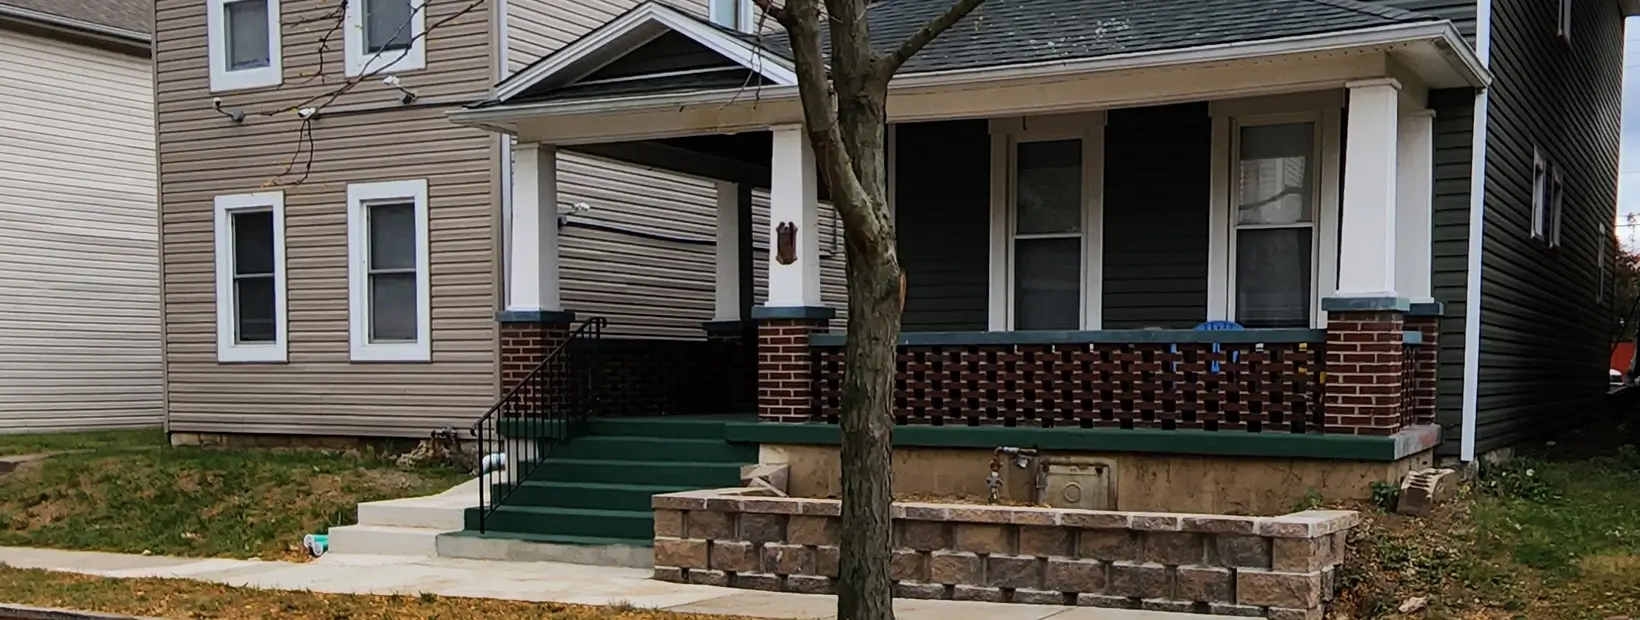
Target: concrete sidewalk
523 581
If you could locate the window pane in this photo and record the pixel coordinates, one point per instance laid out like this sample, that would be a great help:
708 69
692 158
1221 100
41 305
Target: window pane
254 309
253 243
393 307
1050 187
392 236
1047 284
247 31
386 25
1273 277
1274 182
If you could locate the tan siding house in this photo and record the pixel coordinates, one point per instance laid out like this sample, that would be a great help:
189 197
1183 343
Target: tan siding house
80 338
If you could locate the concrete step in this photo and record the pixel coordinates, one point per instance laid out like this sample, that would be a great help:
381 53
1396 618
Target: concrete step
626 447
576 522
595 495
516 547
441 512
659 473
384 540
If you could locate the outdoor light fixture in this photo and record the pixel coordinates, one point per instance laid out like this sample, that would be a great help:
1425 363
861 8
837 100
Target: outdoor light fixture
392 81
235 115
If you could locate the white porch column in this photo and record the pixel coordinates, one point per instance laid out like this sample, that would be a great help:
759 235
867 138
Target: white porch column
1414 204
727 299
1366 244
533 283
793 201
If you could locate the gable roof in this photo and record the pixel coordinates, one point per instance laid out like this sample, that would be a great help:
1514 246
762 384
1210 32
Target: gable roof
124 16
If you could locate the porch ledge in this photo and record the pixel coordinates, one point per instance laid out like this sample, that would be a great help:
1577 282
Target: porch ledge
1427 308
793 312
1409 441
535 316
1365 304
1115 336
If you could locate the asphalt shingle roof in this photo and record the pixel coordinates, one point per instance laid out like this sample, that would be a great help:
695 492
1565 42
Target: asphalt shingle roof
1005 32
133 15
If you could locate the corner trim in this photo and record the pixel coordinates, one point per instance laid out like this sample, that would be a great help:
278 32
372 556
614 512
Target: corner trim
1365 304
793 312
1406 443
535 316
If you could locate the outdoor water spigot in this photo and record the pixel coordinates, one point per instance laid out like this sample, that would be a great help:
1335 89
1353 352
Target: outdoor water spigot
1021 459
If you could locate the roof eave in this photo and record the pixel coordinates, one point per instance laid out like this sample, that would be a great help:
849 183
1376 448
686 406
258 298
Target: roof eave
78 26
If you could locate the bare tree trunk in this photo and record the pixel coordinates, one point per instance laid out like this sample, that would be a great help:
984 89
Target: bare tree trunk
847 133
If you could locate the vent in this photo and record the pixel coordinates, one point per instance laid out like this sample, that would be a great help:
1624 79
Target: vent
1079 482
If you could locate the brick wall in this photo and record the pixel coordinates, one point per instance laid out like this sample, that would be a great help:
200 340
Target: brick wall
1362 391
1275 567
785 382
1426 365
523 347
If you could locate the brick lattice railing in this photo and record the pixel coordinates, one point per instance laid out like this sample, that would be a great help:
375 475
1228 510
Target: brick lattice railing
1271 567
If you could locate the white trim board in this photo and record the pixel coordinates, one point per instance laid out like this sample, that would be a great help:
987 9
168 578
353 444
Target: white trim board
627 33
1477 226
360 196
224 78
356 62
228 349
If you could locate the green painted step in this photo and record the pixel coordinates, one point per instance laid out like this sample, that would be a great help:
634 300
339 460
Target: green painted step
659 473
705 427
560 539
584 522
636 448
595 495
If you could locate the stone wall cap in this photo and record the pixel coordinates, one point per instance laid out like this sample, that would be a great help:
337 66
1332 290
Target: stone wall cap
536 317
1310 524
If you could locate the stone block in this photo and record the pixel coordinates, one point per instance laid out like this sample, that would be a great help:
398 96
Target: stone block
980 514
709 578
1006 571
1139 580
954 567
810 584
1329 583
1220 525
1205 583
917 589
669 524
1094 519
1074 575
184 439
710 525
787 559
1045 541
1243 551
976 593
774 476
1174 548
984 538
735 556
669 573
825 561
1422 490
1231 609
924 535
1299 555
762 528
1278 613
1167 605
758 581
680 552
1032 515
1273 589
1106 601
907 565
1028 596
1155 522
1108 545
1309 524
810 530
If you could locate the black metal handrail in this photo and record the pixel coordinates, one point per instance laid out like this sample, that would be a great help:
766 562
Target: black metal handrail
535 416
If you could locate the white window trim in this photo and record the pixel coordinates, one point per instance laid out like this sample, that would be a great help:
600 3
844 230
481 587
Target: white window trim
733 14
1557 205
1228 118
228 350
1603 248
1563 23
216 35
358 62
1006 134
1541 180
359 195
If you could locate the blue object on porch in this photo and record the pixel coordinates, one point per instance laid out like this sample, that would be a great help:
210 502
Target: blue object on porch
1220 326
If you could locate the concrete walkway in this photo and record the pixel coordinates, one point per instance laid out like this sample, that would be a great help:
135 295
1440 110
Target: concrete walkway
523 581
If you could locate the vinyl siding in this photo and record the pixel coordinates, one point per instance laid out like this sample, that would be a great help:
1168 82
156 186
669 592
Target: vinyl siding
1543 342
79 267
645 256
1454 147
1158 185
367 137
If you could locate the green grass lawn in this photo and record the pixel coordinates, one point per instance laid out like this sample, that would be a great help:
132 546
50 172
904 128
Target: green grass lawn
131 492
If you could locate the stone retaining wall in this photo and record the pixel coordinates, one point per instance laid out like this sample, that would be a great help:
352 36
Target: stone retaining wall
1276 567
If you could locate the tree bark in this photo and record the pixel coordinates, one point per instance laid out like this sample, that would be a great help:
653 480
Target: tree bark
845 115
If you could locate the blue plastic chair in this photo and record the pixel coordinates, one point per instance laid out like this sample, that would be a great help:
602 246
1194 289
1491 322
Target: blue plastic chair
1221 326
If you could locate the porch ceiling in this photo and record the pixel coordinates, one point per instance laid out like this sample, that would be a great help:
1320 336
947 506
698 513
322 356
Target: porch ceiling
742 158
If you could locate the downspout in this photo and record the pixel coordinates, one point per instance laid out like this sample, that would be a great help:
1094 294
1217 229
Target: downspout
1477 226
503 42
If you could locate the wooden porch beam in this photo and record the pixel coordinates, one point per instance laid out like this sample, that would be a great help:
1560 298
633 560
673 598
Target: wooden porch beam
677 159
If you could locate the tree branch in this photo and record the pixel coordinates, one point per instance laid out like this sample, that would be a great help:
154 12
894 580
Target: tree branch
891 63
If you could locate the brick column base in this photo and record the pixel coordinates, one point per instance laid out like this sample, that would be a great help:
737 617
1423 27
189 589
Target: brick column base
1362 392
785 379
527 337
1426 319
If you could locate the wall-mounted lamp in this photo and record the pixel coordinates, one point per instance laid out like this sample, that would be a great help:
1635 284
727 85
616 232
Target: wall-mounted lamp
392 81
574 209
234 115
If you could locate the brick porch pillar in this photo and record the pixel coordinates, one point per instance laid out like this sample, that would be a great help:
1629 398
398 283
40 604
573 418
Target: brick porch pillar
1426 319
1365 348
785 371
527 337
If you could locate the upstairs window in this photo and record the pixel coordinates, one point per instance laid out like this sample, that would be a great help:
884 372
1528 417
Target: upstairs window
736 14
1548 199
243 37
386 36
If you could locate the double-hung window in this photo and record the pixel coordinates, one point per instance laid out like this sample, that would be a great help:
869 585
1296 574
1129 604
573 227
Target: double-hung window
243 37
1274 239
389 297
250 278
385 36
1548 199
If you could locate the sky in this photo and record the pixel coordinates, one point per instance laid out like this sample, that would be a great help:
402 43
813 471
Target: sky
1628 185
